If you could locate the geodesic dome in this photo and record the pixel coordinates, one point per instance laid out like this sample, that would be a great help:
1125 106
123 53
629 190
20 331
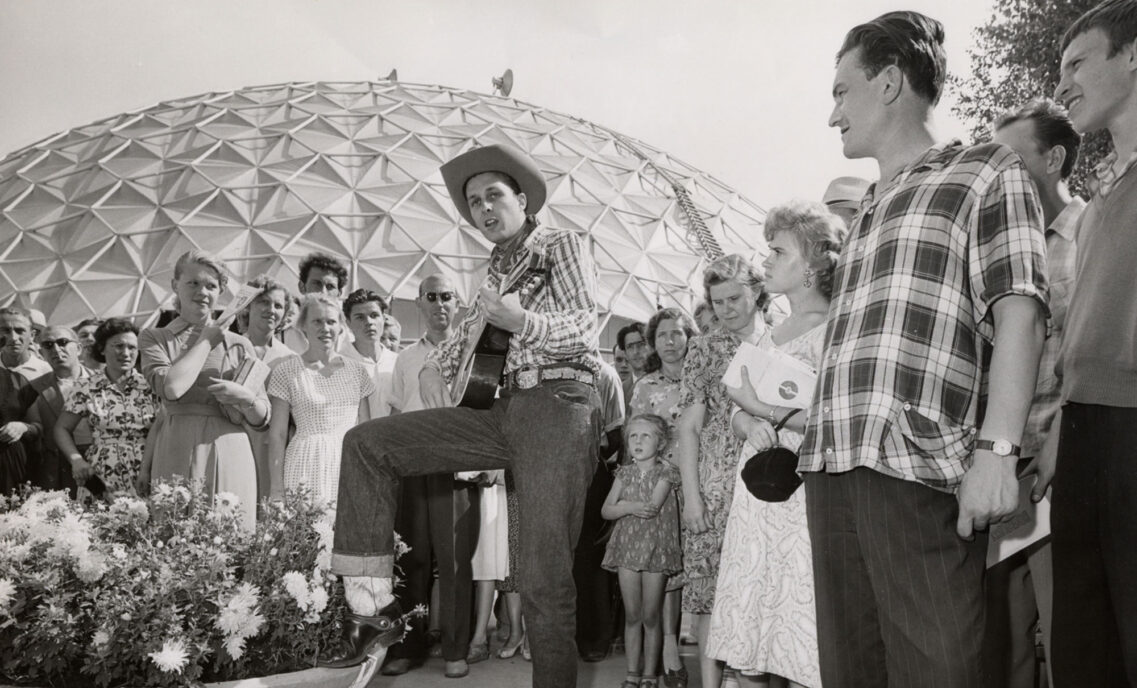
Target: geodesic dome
94 217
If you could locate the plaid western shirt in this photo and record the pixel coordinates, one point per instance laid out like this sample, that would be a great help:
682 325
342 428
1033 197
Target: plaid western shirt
1061 255
559 295
902 383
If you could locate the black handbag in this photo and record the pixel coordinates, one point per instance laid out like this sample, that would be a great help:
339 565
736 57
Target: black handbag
771 474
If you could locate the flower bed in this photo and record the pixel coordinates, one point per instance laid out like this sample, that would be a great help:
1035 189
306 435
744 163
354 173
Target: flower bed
166 591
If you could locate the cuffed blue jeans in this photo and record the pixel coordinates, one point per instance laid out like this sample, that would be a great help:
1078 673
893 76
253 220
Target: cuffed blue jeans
547 436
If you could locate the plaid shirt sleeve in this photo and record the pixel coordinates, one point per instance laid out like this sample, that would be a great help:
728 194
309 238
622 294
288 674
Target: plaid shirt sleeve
1006 250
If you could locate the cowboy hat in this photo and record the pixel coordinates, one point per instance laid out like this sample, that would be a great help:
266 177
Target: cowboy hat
496 158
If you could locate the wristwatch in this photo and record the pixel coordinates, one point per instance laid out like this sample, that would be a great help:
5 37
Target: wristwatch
999 447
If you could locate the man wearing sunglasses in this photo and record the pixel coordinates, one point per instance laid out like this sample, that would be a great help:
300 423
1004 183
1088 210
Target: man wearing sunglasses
433 516
544 427
61 348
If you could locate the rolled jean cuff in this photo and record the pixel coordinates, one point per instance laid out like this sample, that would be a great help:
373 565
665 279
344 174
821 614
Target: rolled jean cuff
374 565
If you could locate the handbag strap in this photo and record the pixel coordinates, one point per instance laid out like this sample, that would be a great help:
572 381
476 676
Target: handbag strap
785 418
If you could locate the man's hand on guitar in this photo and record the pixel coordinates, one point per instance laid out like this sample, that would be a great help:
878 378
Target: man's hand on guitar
503 311
433 390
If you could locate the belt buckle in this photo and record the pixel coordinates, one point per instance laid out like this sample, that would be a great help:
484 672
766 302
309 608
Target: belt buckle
528 378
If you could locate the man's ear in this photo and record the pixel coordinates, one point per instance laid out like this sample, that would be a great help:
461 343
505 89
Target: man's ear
891 84
522 200
1055 158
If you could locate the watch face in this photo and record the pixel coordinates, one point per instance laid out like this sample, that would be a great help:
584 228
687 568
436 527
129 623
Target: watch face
1002 447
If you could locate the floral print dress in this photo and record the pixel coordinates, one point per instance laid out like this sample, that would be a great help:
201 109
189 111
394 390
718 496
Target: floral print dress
120 415
707 359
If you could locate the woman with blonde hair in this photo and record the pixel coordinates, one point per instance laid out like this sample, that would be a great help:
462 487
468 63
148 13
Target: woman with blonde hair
191 364
764 622
264 319
326 394
707 451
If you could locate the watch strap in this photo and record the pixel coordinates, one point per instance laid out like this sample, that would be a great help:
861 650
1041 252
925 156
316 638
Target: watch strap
989 445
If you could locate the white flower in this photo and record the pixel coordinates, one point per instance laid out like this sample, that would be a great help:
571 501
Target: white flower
7 592
239 619
101 638
226 502
172 657
235 646
297 585
118 552
90 567
319 599
246 597
273 552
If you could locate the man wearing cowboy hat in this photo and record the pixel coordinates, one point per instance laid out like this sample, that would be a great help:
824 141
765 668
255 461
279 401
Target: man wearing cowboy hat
543 427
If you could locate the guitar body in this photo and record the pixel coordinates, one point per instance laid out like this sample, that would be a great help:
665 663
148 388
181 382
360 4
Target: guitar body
476 386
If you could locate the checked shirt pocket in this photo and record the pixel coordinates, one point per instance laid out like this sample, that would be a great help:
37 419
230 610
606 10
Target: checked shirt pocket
929 439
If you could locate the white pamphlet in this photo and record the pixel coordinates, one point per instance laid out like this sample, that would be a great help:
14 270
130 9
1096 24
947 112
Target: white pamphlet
240 302
778 378
1029 524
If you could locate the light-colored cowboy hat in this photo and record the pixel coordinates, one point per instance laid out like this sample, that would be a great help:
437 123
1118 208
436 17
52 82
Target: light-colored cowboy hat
507 160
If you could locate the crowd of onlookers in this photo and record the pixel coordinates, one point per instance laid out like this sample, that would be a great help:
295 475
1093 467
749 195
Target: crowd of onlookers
959 340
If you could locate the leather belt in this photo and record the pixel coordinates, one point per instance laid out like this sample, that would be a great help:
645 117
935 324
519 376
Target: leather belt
531 376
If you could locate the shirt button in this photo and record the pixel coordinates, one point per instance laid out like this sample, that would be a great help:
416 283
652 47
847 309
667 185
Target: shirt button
848 302
825 410
907 406
829 450
833 357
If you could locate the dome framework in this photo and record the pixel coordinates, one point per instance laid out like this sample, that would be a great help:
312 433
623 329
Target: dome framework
92 219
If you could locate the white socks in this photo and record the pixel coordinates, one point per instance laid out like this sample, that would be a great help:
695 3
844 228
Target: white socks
366 595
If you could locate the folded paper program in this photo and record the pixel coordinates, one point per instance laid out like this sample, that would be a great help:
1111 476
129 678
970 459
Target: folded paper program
778 378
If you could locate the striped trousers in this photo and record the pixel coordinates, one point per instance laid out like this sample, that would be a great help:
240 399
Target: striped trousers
900 599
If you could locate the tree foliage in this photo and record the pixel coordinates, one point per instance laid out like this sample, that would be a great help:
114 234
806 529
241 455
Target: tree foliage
1016 59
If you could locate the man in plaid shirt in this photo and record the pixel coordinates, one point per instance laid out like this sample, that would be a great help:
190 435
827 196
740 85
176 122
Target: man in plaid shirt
540 287
935 329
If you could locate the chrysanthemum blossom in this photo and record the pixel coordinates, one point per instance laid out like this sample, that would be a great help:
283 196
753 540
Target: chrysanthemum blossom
7 594
296 584
172 658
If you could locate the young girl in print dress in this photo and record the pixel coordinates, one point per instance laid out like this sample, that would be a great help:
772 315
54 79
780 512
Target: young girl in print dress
644 547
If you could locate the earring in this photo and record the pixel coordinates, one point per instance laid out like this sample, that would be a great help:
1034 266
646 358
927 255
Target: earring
808 283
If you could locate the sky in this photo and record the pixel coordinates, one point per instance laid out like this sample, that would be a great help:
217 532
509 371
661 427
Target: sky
737 88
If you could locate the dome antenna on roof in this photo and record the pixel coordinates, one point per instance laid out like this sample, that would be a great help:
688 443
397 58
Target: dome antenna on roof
503 84
393 76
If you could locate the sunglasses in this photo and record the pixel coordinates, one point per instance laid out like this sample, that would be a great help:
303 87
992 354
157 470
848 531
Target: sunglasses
444 296
52 343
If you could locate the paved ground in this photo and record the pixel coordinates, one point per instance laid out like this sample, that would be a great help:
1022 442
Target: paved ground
517 673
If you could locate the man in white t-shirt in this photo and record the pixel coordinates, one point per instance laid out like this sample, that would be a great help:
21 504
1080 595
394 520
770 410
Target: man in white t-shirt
365 311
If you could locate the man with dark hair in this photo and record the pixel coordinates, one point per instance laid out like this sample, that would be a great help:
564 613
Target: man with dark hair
364 311
1094 534
319 274
544 427
935 329
630 339
1019 589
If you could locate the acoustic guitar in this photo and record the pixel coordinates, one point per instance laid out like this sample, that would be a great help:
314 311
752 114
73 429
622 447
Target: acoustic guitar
483 360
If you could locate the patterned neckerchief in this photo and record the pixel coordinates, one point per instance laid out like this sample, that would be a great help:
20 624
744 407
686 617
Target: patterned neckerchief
1105 176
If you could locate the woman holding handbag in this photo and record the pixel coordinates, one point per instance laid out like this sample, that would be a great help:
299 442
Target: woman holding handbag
191 364
764 619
